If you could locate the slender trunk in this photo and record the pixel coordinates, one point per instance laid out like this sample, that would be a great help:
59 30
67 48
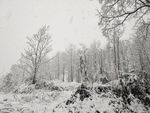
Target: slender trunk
101 69
118 56
144 50
34 76
58 66
95 63
82 68
109 57
101 62
140 59
79 70
146 54
85 66
78 76
71 70
63 73
115 60
124 63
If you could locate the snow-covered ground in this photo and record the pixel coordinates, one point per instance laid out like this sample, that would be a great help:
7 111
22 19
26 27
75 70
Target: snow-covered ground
28 99
35 101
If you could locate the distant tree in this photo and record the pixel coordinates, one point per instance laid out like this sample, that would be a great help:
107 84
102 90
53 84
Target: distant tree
94 60
38 47
45 69
83 62
108 56
17 72
71 51
142 40
58 65
63 71
124 55
63 63
116 41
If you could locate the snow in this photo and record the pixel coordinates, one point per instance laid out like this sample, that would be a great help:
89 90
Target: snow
27 99
87 106
37 101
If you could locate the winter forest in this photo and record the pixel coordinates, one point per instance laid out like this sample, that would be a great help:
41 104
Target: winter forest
85 79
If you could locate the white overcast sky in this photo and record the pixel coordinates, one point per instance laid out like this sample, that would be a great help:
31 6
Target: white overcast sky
71 21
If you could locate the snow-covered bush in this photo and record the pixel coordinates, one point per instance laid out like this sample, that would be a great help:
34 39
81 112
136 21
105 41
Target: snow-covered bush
82 92
43 84
24 89
137 85
8 83
47 85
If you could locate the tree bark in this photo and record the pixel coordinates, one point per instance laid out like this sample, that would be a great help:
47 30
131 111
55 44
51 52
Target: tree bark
118 56
58 66
71 70
34 76
63 72
115 60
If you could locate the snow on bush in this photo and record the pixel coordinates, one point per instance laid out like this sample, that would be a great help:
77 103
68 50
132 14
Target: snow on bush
137 85
84 101
46 85
128 94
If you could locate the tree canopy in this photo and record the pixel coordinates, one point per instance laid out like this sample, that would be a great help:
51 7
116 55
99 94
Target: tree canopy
114 13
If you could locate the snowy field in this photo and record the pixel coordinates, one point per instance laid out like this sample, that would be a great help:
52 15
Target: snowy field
71 97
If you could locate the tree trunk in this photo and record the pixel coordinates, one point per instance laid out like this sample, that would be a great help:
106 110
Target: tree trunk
58 66
146 54
140 59
115 60
71 68
34 76
118 56
101 63
63 73
109 57
124 64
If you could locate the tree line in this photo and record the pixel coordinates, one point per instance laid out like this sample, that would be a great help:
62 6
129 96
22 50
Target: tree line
77 63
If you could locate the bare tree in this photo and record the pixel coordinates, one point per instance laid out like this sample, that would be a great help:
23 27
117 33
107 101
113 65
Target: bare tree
58 65
63 71
124 55
37 48
114 13
83 62
142 40
71 51
101 61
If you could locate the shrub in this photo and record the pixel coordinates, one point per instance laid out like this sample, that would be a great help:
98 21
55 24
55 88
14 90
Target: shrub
137 85
82 92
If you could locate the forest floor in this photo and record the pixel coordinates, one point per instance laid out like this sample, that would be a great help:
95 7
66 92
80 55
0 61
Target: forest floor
71 97
27 99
